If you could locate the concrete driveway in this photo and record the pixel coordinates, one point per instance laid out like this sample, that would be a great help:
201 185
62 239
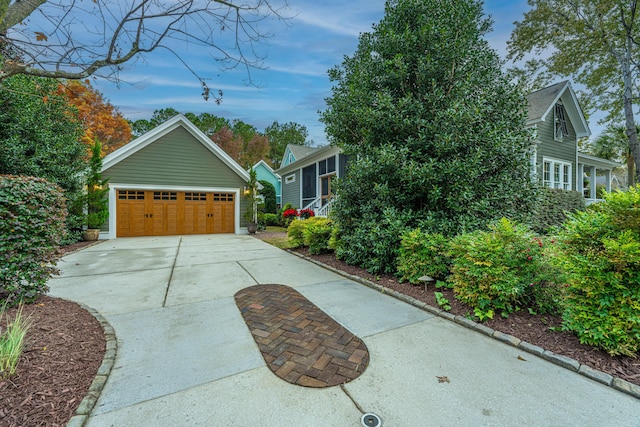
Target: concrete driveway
186 358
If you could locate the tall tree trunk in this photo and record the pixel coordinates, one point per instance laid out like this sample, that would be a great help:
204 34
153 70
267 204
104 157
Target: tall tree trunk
630 170
632 132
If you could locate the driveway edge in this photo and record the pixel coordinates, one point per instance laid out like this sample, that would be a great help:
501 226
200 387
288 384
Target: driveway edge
95 389
560 360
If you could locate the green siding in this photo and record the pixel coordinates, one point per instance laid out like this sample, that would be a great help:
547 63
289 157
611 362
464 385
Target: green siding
175 159
565 150
291 192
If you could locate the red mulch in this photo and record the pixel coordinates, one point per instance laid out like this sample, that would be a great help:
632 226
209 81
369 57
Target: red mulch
63 351
534 329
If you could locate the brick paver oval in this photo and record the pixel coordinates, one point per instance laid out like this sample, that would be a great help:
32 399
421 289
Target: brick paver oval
300 343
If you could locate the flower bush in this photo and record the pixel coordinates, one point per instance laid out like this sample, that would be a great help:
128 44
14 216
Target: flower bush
306 213
503 269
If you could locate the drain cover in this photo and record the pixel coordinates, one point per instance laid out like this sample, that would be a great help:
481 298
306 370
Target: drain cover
371 420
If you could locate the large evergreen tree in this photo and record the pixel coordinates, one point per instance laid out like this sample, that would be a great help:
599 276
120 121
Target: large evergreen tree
40 135
435 132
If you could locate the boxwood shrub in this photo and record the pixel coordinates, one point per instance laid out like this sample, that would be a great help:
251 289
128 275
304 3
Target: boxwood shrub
600 255
32 225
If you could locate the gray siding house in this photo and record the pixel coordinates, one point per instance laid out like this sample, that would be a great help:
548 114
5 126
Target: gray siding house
558 121
173 180
307 182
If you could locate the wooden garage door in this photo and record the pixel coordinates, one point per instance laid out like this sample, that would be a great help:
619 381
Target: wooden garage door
164 213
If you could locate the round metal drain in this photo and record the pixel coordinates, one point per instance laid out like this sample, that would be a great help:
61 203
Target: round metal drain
371 420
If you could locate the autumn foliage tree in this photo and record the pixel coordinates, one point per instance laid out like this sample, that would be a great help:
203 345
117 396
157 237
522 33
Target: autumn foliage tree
100 120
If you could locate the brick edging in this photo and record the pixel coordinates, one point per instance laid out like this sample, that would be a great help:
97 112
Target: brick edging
558 359
81 416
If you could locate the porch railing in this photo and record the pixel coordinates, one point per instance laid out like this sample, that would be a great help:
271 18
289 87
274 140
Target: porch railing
319 209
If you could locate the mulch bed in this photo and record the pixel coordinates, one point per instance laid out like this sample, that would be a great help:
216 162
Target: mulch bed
64 349
300 343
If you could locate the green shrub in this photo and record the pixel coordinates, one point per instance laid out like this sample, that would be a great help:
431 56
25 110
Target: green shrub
268 191
423 254
373 242
600 255
271 219
295 233
552 208
32 224
317 234
503 269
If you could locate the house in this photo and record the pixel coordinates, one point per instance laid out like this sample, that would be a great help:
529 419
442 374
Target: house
264 172
553 112
173 180
306 182
558 122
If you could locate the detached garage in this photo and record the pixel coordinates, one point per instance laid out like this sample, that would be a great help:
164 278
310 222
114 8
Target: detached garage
173 180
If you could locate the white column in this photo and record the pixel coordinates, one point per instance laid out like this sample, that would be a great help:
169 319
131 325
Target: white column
580 179
592 183
607 179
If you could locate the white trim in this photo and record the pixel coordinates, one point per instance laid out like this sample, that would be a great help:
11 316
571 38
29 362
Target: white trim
113 187
552 178
290 179
153 135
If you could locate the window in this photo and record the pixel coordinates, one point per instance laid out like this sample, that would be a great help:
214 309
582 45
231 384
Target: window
223 197
309 182
195 196
130 195
560 130
556 174
290 179
327 166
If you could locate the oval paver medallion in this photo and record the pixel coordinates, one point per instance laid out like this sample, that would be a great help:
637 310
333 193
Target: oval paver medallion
300 343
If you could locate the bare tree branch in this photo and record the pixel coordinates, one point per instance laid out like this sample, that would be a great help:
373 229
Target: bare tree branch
74 40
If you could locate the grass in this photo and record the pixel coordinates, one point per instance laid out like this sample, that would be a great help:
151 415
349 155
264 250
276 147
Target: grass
12 341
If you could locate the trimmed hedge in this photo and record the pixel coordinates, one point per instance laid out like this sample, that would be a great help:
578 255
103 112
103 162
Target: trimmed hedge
32 225
552 208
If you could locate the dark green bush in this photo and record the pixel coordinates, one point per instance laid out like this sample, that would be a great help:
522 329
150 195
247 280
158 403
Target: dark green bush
600 255
552 208
373 242
423 254
32 225
269 193
271 219
503 269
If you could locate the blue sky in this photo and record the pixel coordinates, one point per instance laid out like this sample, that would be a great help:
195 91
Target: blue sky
294 84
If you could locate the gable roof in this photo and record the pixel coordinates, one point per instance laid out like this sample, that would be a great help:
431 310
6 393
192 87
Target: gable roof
298 152
542 102
156 133
265 165
317 154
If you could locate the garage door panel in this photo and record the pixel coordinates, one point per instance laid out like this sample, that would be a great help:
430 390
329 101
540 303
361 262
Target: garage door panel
161 213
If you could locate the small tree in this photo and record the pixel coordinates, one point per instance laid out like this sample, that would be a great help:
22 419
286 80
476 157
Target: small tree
269 193
252 185
97 201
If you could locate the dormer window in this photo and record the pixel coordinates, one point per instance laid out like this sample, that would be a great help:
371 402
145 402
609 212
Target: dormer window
560 123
